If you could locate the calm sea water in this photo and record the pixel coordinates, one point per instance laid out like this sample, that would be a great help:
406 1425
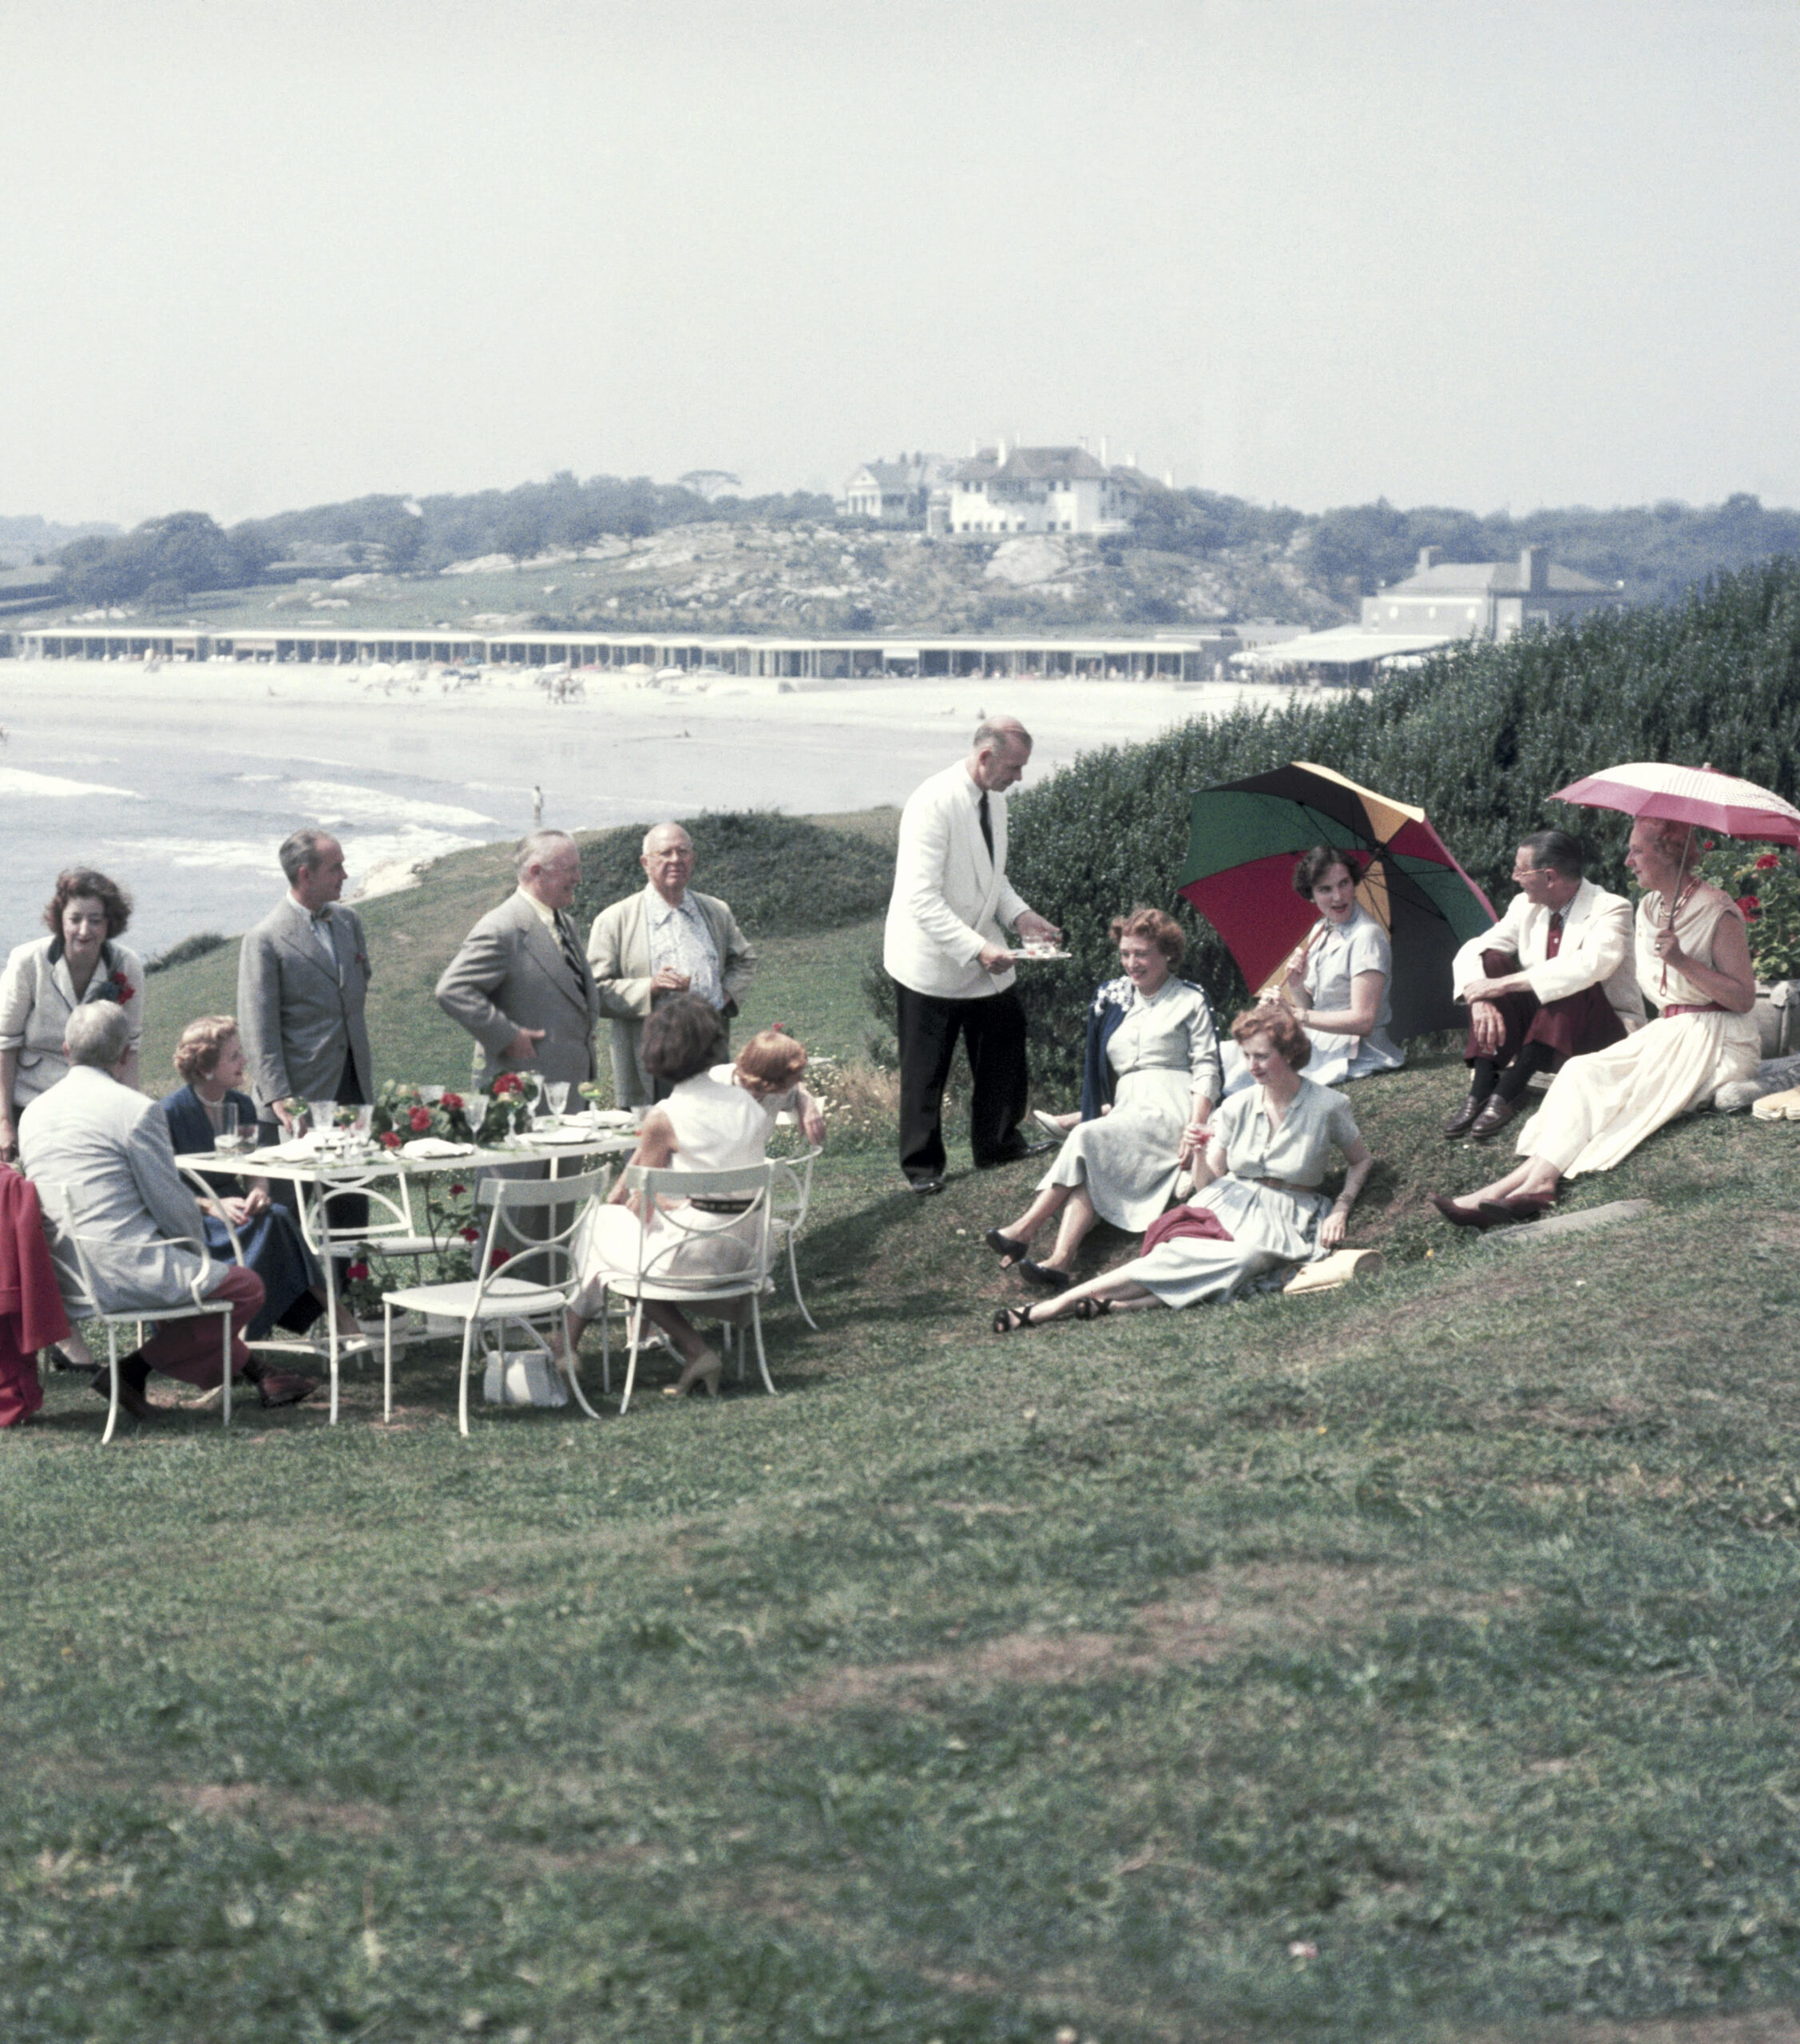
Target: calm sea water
181 783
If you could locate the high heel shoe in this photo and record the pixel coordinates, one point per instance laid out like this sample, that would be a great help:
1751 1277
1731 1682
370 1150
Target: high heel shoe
1517 1206
704 1370
1462 1217
1045 1276
1008 1250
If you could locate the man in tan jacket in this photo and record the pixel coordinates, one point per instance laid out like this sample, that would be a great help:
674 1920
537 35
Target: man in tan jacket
668 940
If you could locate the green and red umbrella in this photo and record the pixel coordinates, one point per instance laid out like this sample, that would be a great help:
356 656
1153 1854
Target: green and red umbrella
1244 837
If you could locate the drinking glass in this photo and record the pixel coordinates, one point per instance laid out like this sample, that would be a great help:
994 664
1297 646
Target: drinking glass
556 1094
323 1115
431 1095
226 1139
474 1112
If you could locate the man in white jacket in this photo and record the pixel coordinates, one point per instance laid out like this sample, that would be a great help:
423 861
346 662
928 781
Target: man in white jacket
1554 979
946 952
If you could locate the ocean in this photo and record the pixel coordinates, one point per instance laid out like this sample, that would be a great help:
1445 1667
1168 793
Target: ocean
181 783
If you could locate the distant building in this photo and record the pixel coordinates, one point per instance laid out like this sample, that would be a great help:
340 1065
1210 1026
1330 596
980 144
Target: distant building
1439 603
896 492
1042 489
1485 598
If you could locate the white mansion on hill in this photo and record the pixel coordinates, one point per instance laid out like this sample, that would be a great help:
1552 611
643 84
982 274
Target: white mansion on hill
1042 489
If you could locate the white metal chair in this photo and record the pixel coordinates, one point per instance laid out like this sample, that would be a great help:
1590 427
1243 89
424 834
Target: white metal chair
389 1229
664 1232
790 1199
498 1295
80 1301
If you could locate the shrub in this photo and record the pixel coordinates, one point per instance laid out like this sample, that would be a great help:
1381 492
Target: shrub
782 877
1766 886
187 950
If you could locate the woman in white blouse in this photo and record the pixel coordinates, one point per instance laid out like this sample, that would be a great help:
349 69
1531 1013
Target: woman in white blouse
1153 1074
1259 1165
1339 982
48 979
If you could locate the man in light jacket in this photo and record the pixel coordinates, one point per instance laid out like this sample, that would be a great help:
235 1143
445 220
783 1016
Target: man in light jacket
519 984
1554 979
99 1144
302 979
946 952
667 940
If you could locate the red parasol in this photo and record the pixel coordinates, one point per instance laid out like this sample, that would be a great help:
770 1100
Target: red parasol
1695 795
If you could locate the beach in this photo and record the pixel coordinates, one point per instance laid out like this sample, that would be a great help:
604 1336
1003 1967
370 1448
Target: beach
181 782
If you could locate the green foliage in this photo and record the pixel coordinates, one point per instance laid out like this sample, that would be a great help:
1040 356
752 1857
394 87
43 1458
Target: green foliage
173 556
781 875
1478 737
1764 885
186 949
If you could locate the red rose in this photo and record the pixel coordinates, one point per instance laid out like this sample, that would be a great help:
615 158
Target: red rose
1768 862
498 1258
453 1100
390 1140
418 1120
471 1234
1707 844
358 1270
1751 907
508 1082
125 988
456 1191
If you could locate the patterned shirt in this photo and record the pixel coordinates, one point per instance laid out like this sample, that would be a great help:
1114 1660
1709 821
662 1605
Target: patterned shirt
680 938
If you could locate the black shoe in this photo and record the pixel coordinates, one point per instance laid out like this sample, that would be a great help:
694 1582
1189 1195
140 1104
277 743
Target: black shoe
1496 1113
131 1389
925 1186
1044 1278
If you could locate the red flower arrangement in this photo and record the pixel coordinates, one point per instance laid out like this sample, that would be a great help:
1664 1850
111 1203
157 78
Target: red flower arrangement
508 1082
1768 862
115 987
390 1140
453 1102
418 1120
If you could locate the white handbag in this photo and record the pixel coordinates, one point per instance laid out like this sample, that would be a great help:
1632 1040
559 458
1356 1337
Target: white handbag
525 1377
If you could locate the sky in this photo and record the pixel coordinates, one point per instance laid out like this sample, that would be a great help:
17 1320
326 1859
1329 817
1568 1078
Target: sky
1489 255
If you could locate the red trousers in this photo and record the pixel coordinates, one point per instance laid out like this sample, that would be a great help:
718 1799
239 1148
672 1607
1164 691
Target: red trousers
1572 1027
190 1349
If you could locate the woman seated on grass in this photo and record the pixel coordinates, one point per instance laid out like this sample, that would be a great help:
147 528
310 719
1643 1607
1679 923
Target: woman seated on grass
1339 981
705 1124
209 1057
1152 1073
1257 1164
1693 960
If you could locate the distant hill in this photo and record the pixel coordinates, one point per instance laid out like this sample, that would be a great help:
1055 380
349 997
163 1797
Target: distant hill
24 540
634 553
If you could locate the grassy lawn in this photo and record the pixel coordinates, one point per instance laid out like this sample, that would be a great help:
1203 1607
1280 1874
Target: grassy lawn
1417 1661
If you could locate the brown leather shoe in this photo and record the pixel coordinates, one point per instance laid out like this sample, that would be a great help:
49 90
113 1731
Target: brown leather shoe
1496 1113
1463 1119
285 1388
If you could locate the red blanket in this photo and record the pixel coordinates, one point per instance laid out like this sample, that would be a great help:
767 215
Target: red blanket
1200 1221
31 1314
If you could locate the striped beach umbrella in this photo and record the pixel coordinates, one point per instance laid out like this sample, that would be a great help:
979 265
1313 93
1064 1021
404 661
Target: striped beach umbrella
1244 837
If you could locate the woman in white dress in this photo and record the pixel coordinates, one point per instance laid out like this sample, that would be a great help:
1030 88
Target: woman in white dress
1693 960
704 1124
1339 982
1259 1164
1153 1071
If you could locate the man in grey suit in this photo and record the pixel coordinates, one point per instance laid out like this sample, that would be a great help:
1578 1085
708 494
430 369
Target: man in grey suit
99 1144
668 940
519 984
303 978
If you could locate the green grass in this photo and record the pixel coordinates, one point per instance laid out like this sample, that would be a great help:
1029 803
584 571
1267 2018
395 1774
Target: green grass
1417 1661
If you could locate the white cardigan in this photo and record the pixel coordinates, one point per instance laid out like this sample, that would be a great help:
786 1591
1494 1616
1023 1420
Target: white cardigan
949 897
37 999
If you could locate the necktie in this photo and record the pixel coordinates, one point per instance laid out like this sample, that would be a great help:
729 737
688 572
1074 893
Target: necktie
321 929
987 824
1555 938
570 953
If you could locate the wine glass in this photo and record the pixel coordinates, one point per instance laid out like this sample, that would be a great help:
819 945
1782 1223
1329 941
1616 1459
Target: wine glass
431 1095
474 1112
323 1115
556 1095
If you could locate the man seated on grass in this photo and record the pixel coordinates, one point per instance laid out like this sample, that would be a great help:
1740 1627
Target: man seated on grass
1554 979
95 1141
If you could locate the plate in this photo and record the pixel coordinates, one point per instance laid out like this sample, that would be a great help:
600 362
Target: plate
573 1137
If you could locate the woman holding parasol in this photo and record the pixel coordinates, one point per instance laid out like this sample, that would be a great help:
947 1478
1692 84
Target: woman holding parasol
1693 960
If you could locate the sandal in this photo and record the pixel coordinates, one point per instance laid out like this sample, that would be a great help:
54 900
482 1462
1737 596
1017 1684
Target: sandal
1093 1309
1006 1249
1010 1319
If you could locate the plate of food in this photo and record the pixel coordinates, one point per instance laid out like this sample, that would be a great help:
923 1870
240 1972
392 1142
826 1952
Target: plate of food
1037 953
